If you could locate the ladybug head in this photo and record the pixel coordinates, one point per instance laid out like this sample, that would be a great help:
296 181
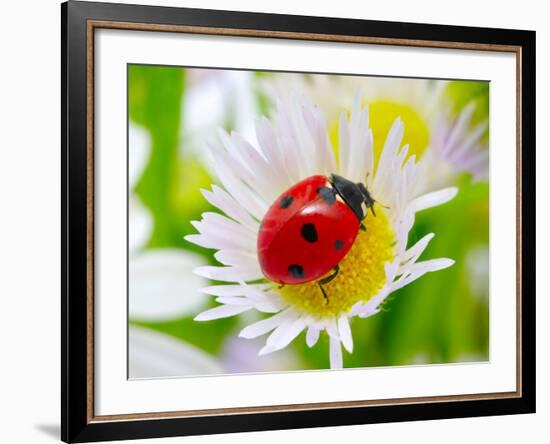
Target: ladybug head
353 194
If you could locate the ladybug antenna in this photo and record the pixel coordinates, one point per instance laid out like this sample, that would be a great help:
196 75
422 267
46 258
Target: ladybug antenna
367 198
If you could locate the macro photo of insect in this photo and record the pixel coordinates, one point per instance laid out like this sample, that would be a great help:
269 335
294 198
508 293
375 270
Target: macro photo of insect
298 221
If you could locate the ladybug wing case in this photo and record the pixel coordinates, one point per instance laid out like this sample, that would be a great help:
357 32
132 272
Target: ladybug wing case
286 206
311 243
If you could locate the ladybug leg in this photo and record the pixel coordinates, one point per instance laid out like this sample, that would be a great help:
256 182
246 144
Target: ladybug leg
324 292
362 226
326 280
281 286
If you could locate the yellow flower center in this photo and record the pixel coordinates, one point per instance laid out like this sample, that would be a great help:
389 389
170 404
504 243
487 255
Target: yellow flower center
382 116
361 274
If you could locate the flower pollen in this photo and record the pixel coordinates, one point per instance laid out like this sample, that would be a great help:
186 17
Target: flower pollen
361 276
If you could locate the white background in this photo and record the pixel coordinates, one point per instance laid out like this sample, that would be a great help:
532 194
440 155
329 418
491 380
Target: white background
116 395
29 226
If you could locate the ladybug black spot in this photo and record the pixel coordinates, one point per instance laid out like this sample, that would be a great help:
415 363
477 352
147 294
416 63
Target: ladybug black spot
286 201
327 194
296 271
309 233
339 244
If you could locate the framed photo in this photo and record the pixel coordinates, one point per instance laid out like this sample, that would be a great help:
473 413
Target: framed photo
276 221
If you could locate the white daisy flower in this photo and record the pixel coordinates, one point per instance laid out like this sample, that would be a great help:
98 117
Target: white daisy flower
380 261
161 285
152 354
458 145
215 98
449 144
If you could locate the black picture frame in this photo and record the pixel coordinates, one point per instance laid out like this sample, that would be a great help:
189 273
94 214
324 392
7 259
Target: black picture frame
77 425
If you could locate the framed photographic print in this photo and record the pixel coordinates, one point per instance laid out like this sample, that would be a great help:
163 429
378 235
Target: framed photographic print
276 221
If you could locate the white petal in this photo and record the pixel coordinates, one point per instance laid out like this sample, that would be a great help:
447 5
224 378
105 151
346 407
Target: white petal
390 269
162 285
361 155
373 304
433 199
284 334
246 163
385 177
266 350
156 355
392 142
202 241
344 145
255 295
240 192
336 361
316 122
470 144
225 202
264 301
406 279
475 161
267 139
233 300
435 264
237 258
292 133
222 311
332 329
222 236
229 274
459 128
312 335
230 290
265 325
223 223
413 253
344 332
265 305
420 269
270 305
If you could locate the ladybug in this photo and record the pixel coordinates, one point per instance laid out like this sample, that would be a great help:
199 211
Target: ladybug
310 228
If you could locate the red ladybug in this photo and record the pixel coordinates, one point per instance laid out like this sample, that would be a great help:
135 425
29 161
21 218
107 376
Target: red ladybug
310 228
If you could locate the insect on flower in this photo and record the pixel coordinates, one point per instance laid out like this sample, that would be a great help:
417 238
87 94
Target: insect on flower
310 228
290 241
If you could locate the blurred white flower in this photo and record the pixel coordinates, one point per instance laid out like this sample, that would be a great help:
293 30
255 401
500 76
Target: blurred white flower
458 145
156 355
216 98
161 284
477 267
447 143
139 150
379 262
140 224
240 355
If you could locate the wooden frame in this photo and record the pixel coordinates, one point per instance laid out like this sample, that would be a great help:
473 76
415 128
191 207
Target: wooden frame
79 21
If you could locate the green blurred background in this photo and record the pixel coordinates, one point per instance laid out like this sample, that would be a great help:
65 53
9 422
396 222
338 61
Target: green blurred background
442 317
